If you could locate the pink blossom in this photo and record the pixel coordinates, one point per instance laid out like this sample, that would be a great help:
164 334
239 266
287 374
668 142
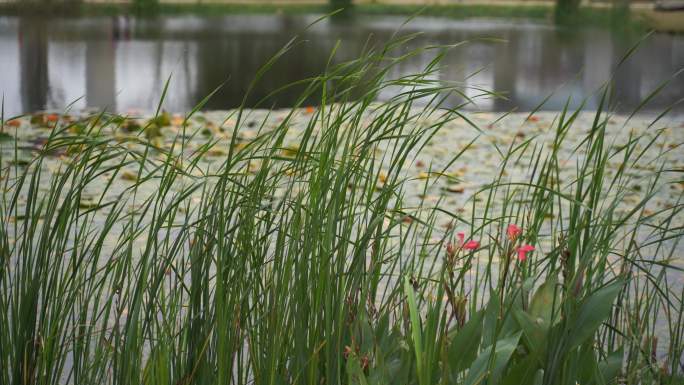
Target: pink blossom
461 238
471 245
513 231
523 250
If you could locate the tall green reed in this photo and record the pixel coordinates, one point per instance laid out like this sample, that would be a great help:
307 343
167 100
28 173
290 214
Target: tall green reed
308 264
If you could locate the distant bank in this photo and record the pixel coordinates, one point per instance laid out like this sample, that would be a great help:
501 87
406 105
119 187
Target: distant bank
594 12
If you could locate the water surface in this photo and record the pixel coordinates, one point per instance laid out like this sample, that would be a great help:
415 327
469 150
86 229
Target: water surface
121 63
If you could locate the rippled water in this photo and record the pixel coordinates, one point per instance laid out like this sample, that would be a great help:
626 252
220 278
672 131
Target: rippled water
121 63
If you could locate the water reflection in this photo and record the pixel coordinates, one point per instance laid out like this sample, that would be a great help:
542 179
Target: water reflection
33 59
121 63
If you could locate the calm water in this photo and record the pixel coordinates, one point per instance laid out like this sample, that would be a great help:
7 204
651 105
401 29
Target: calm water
121 63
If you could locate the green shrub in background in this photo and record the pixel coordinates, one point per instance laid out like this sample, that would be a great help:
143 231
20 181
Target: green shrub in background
146 6
338 4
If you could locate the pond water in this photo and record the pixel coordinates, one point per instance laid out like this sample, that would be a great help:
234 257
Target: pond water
122 62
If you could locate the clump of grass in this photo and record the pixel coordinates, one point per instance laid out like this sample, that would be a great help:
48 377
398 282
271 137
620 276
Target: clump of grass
313 268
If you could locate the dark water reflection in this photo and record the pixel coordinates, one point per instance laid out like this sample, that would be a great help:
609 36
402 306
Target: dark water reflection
121 63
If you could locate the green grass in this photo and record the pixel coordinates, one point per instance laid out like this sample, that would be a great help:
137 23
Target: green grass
307 270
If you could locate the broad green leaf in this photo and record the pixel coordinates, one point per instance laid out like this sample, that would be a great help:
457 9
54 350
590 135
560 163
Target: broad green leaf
386 372
492 361
610 367
546 302
522 372
586 370
463 346
534 330
491 319
593 311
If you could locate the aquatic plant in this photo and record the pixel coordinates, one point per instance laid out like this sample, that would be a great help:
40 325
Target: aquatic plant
133 262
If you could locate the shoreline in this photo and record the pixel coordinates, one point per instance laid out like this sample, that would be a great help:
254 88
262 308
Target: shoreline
640 17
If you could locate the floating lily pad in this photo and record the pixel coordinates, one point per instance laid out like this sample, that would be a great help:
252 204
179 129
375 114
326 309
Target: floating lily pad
37 119
130 176
455 188
162 120
152 131
74 149
20 162
216 152
131 125
87 203
78 128
177 120
13 123
290 151
118 120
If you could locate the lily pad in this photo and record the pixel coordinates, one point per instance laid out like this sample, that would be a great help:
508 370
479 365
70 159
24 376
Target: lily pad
130 176
131 125
87 203
20 162
455 188
152 131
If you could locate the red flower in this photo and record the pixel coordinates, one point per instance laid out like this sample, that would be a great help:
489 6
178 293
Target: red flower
513 231
471 245
523 250
13 123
